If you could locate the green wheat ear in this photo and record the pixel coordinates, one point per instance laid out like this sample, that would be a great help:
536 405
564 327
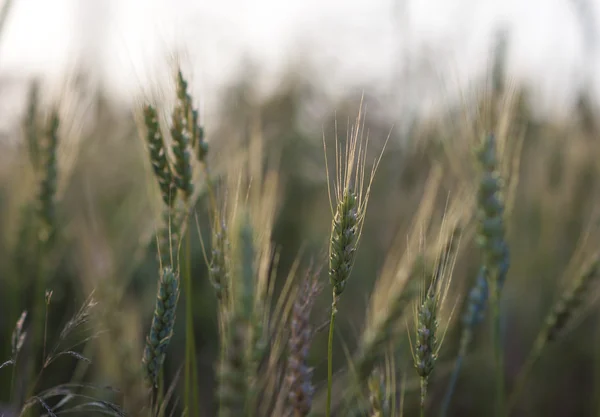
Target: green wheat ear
31 125
427 338
425 353
185 108
234 392
491 228
163 323
48 183
344 238
185 133
158 156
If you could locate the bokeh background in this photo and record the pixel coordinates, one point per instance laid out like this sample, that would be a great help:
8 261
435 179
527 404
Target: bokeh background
287 71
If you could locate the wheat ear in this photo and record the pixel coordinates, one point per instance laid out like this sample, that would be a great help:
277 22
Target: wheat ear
236 326
299 374
496 260
163 323
559 319
427 315
158 156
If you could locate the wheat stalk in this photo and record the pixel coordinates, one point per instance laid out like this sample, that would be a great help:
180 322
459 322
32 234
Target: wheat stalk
427 315
491 239
352 191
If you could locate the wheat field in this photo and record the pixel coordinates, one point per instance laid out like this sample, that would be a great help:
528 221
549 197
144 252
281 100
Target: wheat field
155 263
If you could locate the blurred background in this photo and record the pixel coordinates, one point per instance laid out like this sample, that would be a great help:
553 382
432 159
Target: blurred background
288 71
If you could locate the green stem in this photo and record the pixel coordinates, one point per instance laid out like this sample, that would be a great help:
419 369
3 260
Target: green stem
161 386
191 377
12 383
424 381
497 346
37 319
525 372
462 353
330 355
596 405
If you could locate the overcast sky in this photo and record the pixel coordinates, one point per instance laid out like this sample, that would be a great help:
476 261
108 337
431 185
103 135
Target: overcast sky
347 42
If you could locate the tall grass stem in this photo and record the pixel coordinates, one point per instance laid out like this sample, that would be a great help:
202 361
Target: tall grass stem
191 376
330 355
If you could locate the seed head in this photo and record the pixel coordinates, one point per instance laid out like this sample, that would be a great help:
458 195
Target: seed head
299 374
491 237
351 197
163 323
158 156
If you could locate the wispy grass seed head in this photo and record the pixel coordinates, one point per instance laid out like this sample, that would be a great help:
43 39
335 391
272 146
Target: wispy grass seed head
17 340
18 335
